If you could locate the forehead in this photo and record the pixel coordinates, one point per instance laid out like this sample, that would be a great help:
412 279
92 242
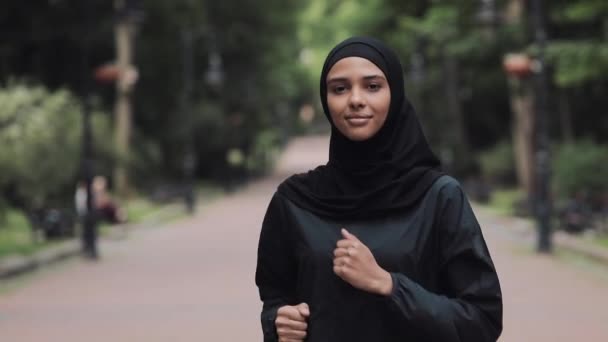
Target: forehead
354 67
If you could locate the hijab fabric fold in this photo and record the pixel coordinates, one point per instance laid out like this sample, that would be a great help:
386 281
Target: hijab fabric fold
382 175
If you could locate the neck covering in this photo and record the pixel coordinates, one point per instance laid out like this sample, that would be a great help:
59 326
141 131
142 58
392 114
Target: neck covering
384 174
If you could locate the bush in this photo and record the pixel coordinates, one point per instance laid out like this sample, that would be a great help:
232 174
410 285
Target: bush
15 235
498 164
580 166
264 151
40 139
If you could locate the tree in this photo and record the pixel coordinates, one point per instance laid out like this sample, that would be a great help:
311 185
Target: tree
451 54
40 139
257 45
578 52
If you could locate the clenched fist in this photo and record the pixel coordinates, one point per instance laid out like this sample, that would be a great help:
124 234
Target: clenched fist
355 264
291 322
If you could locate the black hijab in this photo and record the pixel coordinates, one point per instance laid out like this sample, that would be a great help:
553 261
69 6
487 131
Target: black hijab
384 174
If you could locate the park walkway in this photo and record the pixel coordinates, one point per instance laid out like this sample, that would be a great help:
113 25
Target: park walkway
193 280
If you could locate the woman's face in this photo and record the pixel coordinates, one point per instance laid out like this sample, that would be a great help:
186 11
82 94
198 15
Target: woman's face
358 97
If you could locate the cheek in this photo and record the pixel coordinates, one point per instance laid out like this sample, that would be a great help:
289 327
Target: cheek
382 107
335 106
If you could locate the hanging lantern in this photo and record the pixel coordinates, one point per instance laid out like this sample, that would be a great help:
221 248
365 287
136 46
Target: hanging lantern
107 73
518 65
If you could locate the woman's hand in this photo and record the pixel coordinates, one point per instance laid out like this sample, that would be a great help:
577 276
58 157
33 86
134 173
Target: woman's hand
355 264
291 322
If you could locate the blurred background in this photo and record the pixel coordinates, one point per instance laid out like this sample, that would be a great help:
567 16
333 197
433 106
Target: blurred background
124 114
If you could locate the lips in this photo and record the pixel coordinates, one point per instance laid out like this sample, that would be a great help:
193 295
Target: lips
358 120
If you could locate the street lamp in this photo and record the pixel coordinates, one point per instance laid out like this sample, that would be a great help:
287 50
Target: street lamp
214 77
542 160
522 66
418 63
89 227
189 162
104 74
215 72
487 13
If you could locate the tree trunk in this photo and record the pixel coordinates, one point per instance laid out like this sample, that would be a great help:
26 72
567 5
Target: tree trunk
514 11
522 105
124 51
456 134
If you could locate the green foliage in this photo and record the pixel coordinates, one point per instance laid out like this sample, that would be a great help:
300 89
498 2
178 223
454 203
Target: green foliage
579 53
348 18
578 62
579 10
41 141
264 152
581 166
460 66
439 24
271 53
40 147
503 201
16 235
258 48
498 163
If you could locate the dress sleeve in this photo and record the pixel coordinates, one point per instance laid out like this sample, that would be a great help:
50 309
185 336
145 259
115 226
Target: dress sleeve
469 305
275 273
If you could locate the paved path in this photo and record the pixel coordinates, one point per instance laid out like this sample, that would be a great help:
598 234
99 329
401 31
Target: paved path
193 281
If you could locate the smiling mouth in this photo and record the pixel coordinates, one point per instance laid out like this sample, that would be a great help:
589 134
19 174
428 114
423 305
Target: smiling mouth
358 120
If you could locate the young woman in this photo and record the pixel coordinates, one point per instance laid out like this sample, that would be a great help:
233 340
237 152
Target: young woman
377 245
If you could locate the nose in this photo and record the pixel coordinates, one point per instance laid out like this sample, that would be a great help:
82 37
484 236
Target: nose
356 100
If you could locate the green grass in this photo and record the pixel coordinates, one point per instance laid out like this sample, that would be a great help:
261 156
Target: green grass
503 200
602 241
16 235
138 208
208 192
502 203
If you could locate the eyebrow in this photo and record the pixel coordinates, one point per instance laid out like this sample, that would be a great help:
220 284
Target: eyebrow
344 79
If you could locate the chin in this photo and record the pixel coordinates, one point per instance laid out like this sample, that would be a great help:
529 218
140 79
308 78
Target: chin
359 136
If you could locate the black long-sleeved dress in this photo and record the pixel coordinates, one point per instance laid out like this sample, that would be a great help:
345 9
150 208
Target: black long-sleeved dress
445 286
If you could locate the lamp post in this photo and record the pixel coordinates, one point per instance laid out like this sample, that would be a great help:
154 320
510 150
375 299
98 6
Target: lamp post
214 78
488 16
106 73
542 160
189 161
522 66
89 227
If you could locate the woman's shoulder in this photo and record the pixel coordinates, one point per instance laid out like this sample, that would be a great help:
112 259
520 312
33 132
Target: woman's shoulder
293 178
302 180
446 183
447 188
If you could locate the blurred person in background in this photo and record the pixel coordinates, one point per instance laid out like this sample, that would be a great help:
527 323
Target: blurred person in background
105 207
80 200
378 244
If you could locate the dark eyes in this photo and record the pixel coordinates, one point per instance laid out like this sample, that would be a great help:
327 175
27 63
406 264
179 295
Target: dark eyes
340 89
